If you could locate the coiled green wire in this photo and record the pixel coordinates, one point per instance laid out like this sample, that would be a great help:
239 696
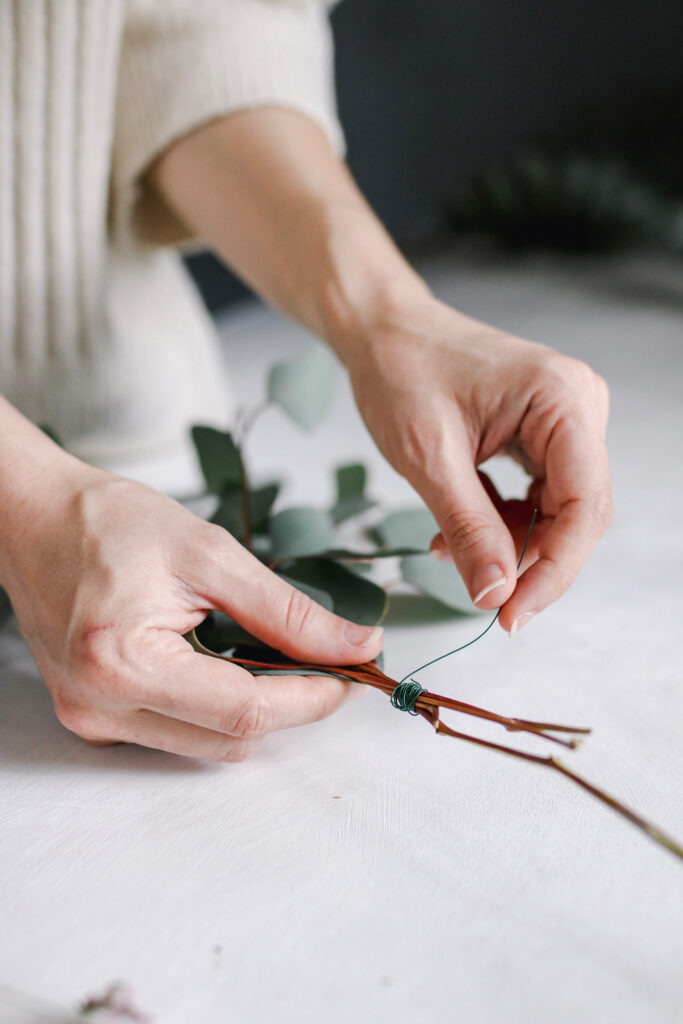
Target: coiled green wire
406 694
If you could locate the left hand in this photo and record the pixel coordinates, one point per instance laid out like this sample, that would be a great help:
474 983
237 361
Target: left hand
442 393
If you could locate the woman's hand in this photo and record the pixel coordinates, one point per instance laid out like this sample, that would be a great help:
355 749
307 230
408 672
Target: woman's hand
105 578
441 393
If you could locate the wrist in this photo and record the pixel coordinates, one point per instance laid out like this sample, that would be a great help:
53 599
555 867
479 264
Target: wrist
37 483
364 286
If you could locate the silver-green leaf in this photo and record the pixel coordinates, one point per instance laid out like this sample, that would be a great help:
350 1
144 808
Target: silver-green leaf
295 532
410 527
353 597
351 498
303 387
440 580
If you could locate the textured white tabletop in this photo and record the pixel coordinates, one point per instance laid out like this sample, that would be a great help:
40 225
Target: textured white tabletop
363 869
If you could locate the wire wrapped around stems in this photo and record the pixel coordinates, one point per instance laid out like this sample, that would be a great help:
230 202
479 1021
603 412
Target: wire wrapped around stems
428 705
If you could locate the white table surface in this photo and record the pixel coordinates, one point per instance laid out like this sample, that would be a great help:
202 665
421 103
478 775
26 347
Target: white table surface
363 869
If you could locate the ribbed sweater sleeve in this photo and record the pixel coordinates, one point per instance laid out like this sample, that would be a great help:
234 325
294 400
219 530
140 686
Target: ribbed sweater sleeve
185 62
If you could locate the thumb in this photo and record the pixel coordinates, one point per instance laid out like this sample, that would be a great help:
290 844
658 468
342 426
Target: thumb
474 536
280 615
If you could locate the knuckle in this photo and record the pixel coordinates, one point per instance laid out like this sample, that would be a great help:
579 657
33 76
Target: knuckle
93 646
563 375
421 444
215 540
564 574
219 547
602 386
466 531
250 719
321 706
299 611
107 661
603 510
79 718
580 374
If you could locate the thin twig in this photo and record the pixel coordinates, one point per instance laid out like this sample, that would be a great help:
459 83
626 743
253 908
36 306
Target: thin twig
428 705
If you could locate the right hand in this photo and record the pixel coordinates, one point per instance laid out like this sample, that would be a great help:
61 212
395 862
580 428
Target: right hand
105 578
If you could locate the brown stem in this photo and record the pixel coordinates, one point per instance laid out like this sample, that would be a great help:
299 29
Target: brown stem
242 431
249 419
428 706
651 830
246 510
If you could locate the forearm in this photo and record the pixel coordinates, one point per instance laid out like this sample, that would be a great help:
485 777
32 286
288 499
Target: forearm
35 475
267 193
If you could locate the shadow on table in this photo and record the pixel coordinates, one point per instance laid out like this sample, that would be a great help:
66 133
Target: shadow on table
31 735
638 282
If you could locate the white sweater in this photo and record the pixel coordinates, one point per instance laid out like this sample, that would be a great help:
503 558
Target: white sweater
102 335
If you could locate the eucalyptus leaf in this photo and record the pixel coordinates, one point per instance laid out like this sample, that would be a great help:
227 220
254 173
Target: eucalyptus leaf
351 480
219 458
300 531
351 498
303 386
353 597
220 633
437 579
230 516
411 527
350 507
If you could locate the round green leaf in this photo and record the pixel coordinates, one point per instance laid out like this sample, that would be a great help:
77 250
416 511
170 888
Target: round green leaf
303 386
411 527
350 481
300 531
353 597
438 579
351 500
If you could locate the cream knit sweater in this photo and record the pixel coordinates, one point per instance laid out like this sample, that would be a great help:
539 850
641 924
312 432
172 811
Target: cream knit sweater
102 335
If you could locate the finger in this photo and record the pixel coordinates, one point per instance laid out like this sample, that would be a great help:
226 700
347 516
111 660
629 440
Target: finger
226 698
234 581
475 535
517 521
578 491
516 513
149 729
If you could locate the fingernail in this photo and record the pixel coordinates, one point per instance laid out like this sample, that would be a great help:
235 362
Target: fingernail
485 580
441 555
361 636
520 622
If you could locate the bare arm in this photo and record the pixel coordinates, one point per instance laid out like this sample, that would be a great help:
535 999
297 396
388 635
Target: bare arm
440 392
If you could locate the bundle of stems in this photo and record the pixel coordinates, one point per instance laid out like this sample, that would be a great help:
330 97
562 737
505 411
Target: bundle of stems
428 706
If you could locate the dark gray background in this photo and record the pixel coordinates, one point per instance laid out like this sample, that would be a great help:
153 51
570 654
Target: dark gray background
432 91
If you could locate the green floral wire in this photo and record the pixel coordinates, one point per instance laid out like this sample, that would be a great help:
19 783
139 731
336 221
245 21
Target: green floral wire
405 696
